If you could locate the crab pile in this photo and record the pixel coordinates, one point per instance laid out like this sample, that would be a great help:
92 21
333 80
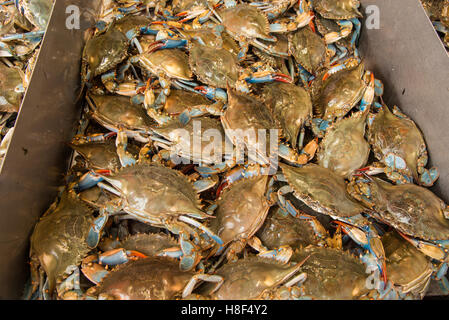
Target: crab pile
438 12
22 26
338 209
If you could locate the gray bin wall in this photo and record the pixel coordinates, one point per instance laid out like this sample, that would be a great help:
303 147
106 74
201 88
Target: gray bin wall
405 53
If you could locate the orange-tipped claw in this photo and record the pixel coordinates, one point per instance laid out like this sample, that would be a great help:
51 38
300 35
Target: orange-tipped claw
220 189
104 172
282 78
137 254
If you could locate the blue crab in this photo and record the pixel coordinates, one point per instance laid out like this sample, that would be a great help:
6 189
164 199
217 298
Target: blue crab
253 278
58 244
237 219
325 192
138 186
152 278
414 211
408 269
244 116
400 147
334 274
344 148
344 12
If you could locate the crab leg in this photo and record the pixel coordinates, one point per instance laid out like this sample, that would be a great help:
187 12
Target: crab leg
204 277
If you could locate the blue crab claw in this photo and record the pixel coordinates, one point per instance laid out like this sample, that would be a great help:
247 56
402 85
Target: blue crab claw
119 256
174 253
345 30
93 237
281 254
367 238
378 88
319 126
216 94
88 180
271 77
167 44
440 277
34 35
395 162
197 111
203 228
428 177
205 183
190 255
437 249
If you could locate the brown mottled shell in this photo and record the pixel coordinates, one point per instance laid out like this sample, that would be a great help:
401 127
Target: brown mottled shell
179 100
308 49
322 190
279 230
291 107
407 267
388 133
246 21
149 244
105 51
241 210
156 192
131 22
248 278
246 112
172 62
152 278
338 94
10 78
119 111
184 144
59 238
344 148
332 274
410 209
99 155
216 67
337 9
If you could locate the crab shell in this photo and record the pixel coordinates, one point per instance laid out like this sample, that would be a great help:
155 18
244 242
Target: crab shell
241 210
249 278
410 209
58 241
308 49
321 189
96 197
291 106
344 148
339 93
184 144
337 9
37 11
155 192
245 21
210 39
131 23
172 62
284 230
332 274
407 267
149 244
152 278
105 51
179 100
247 113
214 66
10 79
99 155
118 111
389 134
